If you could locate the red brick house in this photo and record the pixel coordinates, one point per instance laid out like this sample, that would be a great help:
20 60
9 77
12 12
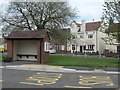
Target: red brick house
29 45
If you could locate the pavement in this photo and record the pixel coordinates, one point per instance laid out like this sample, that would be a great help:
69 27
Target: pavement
34 66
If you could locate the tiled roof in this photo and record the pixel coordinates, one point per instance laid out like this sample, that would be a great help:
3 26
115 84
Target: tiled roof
92 26
27 34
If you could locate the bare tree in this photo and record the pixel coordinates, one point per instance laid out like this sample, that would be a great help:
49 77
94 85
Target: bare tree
37 15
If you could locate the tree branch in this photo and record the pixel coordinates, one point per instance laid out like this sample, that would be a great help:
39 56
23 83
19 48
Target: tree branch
27 20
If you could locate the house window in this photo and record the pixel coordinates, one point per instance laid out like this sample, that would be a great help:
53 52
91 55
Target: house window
73 37
85 47
91 46
90 36
81 36
79 30
62 47
57 47
73 47
46 46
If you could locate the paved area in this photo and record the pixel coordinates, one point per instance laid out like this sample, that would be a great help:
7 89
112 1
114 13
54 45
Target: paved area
34 79
49 68
34 67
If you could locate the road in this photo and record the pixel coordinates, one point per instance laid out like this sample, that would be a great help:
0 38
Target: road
12 78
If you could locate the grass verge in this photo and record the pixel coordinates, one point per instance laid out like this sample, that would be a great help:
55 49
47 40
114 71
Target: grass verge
82 61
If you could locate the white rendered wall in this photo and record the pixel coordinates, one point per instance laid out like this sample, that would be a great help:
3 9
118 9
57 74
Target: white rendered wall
101 42
83 26
112 48
74 28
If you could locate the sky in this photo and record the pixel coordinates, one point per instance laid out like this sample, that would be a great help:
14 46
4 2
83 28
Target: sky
86 9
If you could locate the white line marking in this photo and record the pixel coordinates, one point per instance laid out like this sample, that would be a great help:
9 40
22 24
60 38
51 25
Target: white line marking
1 81
76 87
30 83
1 66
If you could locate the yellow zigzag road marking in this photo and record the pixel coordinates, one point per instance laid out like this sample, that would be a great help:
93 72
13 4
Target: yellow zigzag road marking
38 76
47 79
42 78
93 80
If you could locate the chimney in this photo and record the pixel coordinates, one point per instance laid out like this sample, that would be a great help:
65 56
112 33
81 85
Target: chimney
83 26
102 19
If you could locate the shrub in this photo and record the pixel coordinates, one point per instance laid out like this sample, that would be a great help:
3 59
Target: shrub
6 59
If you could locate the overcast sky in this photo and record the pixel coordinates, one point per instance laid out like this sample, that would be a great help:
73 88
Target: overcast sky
87 9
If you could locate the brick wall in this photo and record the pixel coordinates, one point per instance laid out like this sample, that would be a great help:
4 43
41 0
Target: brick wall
43 57
10 48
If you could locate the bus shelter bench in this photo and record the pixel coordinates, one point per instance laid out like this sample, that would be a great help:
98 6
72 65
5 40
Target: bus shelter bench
27 55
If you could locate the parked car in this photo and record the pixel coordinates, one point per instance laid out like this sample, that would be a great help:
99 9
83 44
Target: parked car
52 51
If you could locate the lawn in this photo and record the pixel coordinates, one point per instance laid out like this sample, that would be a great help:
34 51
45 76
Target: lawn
82 61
